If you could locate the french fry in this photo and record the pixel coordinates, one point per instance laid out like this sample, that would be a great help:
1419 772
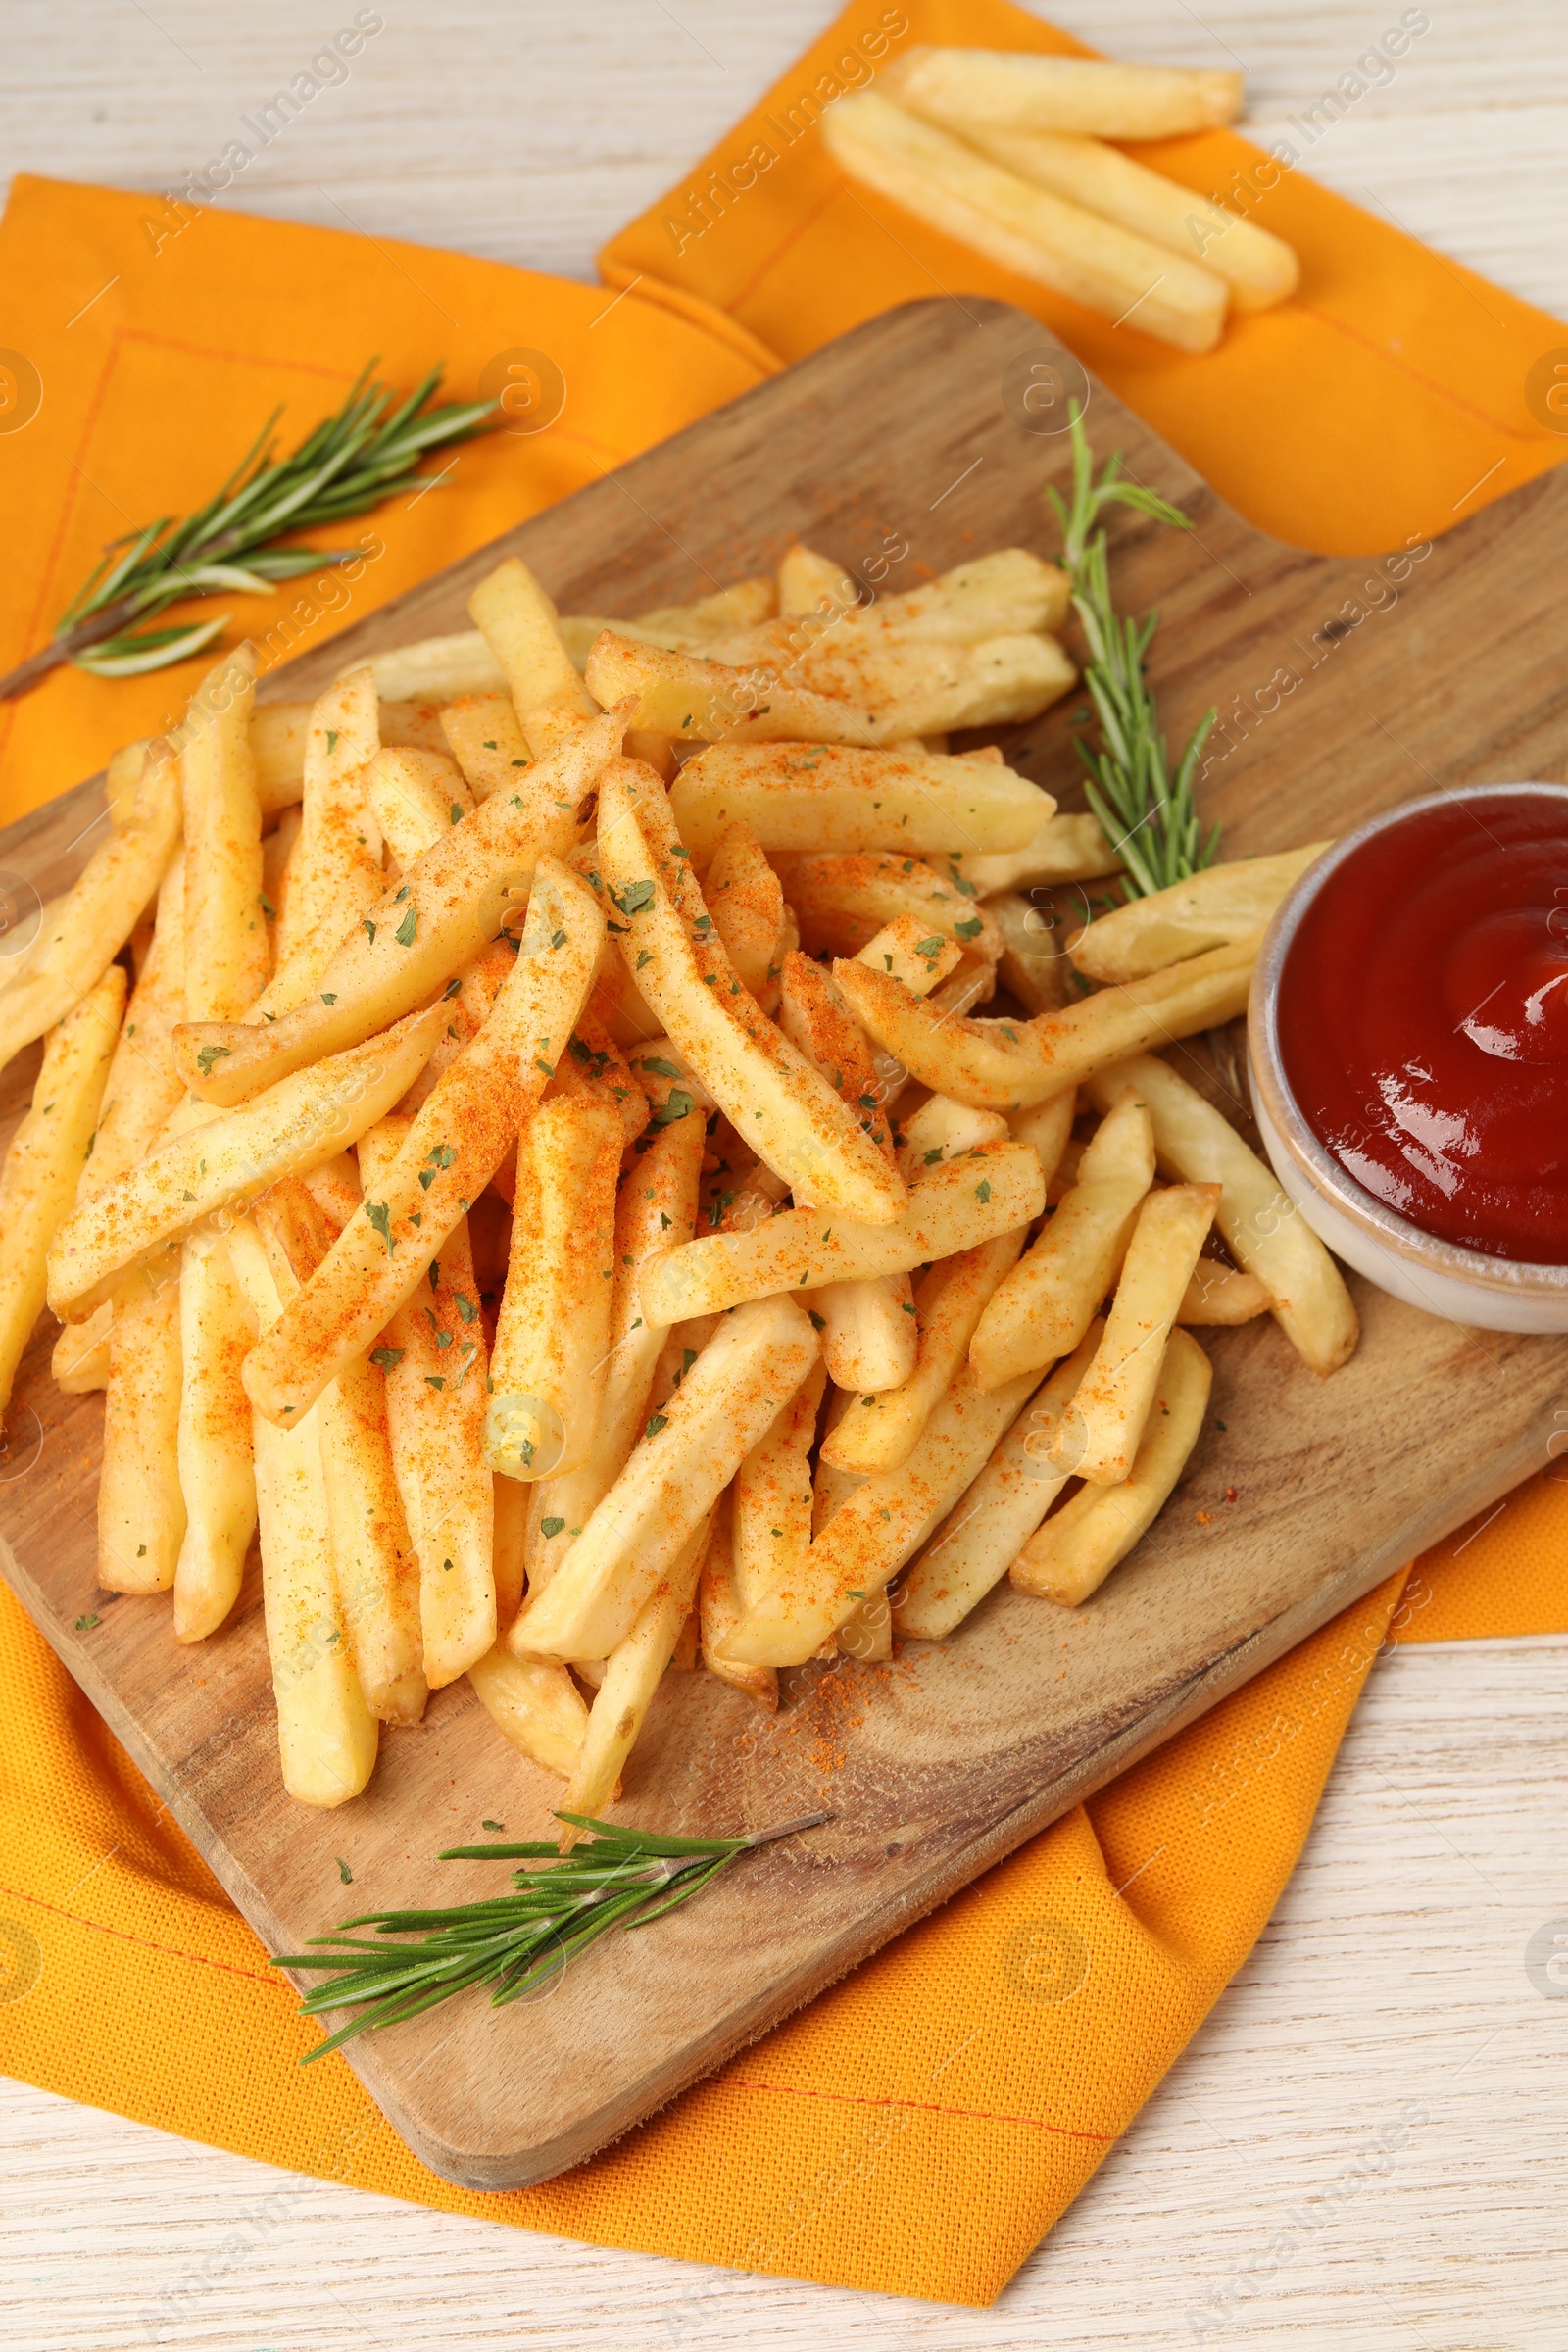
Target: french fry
416 797
226 947
812 1017
683 1344
771 1497
881 1432
217 1167
959 192
1046 1304
216 1464
943 1130
143 1085
547 1376
327 1734
1010 592
1213 908
633 1673
80 1363
920 959
727 608
97 916
922 689
534 1704
693 700
868 1332
411 726
1256 1220
657 1201
741 894
438 669
43 1166
841 902
1096 97
336 867
1104 1426
141 1510
277 735
1071 1555
1259 269
459 1139
518 622
954 1207
796 796
994 1517
672 1479
594 1069
812 583
832 1486
1047 1126
1221 1295
1064 848
719 1610
1003 1065
375 1577
486 740
771 1092
450 903
880 1526
1034 967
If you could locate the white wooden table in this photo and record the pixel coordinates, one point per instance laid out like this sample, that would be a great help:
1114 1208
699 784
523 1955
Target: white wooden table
1393 1976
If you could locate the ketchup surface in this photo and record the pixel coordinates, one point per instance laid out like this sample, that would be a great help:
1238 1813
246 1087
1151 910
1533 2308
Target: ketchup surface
1423 1021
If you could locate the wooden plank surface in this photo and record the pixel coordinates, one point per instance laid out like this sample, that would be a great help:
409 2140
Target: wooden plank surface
541 130
937 1765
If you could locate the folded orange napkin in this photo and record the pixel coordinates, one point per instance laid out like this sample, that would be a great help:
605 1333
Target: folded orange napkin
920 2126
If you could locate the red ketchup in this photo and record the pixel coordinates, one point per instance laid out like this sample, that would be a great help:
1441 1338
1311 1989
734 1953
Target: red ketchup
1423 1021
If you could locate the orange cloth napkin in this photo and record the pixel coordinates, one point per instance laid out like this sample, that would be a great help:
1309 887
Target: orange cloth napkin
920 2127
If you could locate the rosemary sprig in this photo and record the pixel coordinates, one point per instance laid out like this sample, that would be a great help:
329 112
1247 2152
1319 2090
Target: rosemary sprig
350 462
1147 814
618 1878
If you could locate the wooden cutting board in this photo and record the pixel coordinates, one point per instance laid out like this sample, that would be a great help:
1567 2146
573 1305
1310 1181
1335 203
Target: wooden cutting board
1344 686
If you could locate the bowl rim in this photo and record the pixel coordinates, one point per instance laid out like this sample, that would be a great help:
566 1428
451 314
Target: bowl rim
1407 1242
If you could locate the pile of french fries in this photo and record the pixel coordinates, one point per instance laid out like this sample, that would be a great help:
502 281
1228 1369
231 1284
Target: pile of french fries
515 1134
1008 154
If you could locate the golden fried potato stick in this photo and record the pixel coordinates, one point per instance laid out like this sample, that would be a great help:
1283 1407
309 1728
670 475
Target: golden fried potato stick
534 1706
826 796
693 700
450 903
416 797
1065 848
770 1092
923 690
1256 1220
141 1510
226 948
1041 1309
594 1069
743 895
633 1672
95 918
336 865
995 1516
1102 1430
740 607
1221 1295
996 1187
547 1376
880 1526
214 1459
1211 909
1260 269
842 902
944 1130
809 582
1071 1555
327 1734
459 1138
43 1166
80 1363
916 955
1047 1126
375 1575
881 1432
518 622
674 1475
486 740
657 1205
772 1496
1065 246
1034 966
437 669
1096 97
228 1160
718 1609
1004 1065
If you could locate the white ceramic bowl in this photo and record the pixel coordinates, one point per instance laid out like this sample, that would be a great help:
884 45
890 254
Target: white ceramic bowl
1464 1286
